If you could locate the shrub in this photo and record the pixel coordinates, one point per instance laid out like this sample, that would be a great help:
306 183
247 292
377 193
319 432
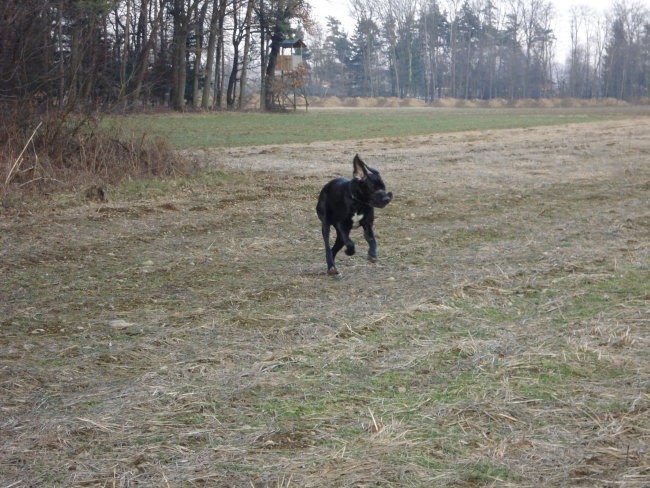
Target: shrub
44 151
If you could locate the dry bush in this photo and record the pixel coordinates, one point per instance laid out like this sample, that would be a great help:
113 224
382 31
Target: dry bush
448 102
332 102
522 103
56 151
325 102
612 102
545 103
388 102
462 103
444 102
357 102
497 103
252 102
316 101
411 102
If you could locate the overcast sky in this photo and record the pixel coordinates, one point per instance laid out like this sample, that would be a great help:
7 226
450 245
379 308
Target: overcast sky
340 10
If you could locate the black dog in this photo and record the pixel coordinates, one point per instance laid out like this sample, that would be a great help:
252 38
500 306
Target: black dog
344 203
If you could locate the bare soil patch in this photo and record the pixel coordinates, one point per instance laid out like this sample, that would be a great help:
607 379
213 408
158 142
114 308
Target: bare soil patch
183 333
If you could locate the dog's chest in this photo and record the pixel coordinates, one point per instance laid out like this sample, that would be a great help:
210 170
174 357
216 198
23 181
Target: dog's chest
356 219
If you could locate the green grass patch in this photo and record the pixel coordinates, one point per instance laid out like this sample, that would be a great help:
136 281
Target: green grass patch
295 409
137 189
243 129
483 473
603 295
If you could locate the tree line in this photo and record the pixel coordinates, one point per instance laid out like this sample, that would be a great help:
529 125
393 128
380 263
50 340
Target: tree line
79 54
483 49
213 54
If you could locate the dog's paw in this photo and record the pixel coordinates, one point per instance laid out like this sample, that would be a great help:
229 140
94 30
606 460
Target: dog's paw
350 250
333 271
372 259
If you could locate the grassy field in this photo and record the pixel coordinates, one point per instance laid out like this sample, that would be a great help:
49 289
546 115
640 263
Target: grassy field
184 332
244 129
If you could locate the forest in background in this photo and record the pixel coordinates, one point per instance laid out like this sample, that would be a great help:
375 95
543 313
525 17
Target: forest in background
484 49
76 54
216 54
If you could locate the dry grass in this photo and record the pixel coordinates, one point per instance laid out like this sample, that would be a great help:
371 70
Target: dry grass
183 333
42 152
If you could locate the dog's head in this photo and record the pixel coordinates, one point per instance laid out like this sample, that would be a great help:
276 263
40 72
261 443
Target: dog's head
370 185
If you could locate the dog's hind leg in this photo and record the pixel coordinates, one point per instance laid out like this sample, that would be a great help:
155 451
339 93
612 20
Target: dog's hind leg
329 255
343 234
338 244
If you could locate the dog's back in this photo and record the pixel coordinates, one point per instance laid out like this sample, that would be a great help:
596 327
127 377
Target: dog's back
331 205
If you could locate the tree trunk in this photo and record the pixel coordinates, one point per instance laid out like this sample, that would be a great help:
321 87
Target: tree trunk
269 78
125 51
178 57
236 39
198 55
263 59
148 45
219 59
247 44
182 19
210 58
59 28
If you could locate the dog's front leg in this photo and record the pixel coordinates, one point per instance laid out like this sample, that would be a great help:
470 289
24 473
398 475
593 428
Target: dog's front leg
329 257
369 235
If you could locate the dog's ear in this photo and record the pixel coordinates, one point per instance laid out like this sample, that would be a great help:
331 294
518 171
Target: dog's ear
360 171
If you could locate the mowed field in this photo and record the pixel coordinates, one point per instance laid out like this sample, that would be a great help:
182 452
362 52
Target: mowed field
183 333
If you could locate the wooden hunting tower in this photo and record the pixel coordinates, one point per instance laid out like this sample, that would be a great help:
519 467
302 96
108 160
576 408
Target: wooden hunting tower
291 74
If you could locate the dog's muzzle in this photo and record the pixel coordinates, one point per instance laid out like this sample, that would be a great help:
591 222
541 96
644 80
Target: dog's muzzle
382 199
